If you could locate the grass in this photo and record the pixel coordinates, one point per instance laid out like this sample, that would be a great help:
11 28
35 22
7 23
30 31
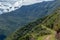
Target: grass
52 35
41 37
44 37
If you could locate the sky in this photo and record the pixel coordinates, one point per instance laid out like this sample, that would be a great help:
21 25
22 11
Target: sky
27 2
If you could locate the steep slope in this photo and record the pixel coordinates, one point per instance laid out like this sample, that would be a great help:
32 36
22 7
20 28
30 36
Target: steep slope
53 19
34 29
11 21
41 27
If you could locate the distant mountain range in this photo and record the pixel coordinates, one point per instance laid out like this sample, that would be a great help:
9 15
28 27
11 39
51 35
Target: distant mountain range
11 21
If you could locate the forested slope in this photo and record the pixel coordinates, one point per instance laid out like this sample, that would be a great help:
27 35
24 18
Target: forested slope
40 27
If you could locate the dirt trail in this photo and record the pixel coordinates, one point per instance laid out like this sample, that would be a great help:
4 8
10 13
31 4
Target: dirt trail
49 37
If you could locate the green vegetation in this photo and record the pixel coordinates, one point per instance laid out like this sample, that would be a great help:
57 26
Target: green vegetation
41 29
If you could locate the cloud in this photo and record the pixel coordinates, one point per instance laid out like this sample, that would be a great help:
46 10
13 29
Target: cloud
20 3
17 4
28 2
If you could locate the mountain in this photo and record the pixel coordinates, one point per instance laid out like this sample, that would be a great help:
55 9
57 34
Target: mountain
41 27
32 29
53 20
11 21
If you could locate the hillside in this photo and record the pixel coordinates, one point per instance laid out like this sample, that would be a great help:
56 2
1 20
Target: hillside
52 19
41 27
11 21
34 29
